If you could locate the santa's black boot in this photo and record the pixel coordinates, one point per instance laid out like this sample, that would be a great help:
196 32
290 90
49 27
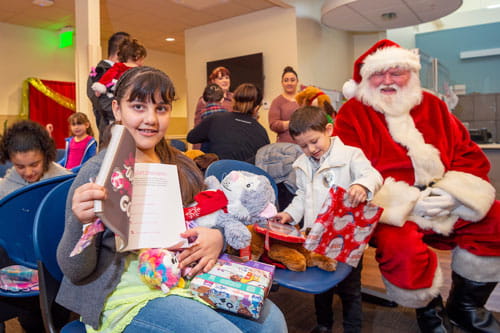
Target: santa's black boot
432 318
465 305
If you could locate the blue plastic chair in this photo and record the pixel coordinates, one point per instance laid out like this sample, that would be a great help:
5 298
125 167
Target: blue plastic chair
4 167
47 231
313 280
17 215
179 144
222 168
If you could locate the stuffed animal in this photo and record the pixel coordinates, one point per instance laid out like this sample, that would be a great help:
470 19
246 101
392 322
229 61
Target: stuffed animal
242 198
250 199
312 95
292 255
159 269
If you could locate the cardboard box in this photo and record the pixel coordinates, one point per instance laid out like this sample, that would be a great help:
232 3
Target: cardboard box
235 286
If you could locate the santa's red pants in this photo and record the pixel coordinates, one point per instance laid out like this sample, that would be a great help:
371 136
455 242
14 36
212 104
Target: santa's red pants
406 260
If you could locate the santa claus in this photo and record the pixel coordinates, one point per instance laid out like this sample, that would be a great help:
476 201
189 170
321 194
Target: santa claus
436 191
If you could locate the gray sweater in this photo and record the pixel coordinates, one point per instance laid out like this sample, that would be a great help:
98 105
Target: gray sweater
13 181
92 275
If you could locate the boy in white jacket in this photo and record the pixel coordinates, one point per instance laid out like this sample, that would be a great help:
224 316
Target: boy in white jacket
327 161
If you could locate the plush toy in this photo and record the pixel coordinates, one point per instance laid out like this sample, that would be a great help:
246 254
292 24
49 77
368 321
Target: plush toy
250 199
312 95
291 255
159 268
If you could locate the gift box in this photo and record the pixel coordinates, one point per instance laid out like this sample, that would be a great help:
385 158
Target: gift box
235 286
250 263
340 231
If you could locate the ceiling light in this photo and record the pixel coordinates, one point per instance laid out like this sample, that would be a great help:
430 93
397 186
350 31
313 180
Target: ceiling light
388 16
493 6
170 39
43 3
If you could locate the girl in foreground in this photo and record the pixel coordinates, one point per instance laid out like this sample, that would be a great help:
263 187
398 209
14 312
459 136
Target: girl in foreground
103 285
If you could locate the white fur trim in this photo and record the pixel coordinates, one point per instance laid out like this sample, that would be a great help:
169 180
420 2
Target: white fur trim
475 268
440 224
475 194
389 57
349 89
99 87
397 199
417 298
425 157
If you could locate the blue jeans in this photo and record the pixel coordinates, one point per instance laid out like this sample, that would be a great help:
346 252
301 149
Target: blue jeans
175 314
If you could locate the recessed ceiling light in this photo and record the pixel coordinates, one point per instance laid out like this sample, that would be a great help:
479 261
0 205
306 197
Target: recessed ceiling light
43 3
493 6
170 39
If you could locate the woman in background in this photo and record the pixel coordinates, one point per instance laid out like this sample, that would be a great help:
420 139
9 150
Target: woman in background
222 77
32 151
284 105
234 135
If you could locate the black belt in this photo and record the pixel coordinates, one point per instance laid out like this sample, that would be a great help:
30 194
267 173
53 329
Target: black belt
423 187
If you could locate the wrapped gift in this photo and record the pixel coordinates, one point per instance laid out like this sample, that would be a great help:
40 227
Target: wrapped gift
235 286
340 231
250 263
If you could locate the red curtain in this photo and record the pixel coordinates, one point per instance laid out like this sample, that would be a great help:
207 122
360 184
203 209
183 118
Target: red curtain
45 110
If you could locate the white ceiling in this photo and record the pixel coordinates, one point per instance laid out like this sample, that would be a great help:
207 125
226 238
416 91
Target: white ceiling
150 21
367 15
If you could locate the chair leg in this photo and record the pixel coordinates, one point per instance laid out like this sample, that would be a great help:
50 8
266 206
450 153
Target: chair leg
377 298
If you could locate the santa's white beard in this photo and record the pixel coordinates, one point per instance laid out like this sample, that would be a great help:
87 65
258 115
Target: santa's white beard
396 104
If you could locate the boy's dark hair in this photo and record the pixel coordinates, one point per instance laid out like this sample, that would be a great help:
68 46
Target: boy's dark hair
24 136
307 118
131 50
213 93
115 40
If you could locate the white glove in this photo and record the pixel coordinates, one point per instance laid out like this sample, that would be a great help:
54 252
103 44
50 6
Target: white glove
420 207
439 203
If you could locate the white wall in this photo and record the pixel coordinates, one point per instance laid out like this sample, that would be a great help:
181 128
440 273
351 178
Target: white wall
272 32
28 52
174 65
325 54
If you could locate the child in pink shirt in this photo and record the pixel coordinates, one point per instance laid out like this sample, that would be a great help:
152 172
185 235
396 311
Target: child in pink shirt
81 146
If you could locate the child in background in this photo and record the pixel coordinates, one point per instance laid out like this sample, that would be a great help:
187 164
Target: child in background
32 151
213 95
102 285
131 54
29 147
235 135
327 158
81 146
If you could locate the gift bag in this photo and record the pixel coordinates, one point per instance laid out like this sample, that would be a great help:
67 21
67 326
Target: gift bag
340 231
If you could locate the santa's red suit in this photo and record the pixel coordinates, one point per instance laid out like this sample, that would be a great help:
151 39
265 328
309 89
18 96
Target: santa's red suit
416 151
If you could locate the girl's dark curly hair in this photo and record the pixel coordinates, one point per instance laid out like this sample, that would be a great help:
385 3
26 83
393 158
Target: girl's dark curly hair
24 136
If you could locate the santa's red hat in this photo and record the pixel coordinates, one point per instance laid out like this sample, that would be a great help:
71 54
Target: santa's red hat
383 55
